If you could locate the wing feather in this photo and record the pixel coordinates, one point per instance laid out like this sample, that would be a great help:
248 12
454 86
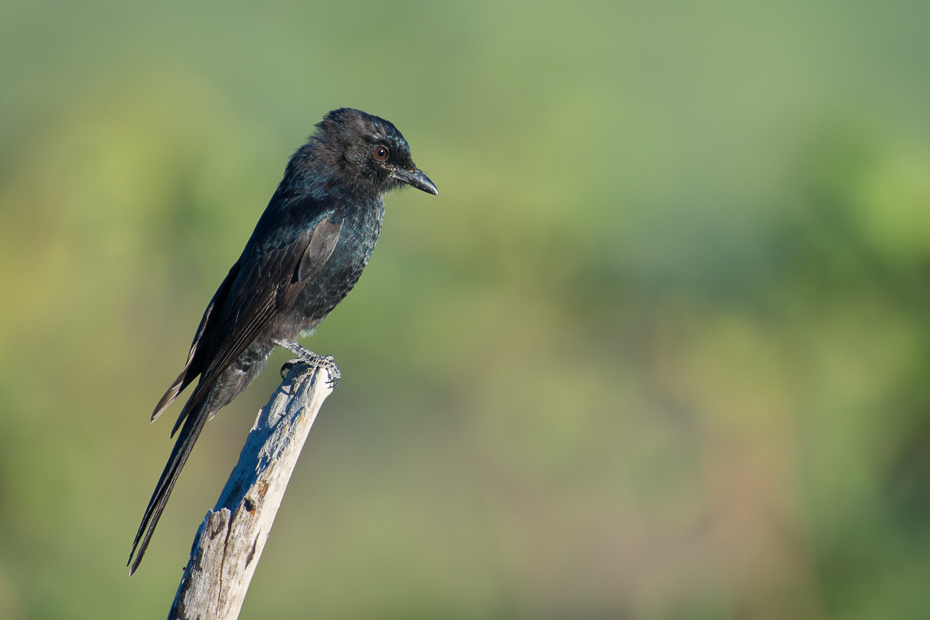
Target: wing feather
250 311
322 243
197 355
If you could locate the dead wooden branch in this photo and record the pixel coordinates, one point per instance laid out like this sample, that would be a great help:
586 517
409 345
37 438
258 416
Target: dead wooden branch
231 538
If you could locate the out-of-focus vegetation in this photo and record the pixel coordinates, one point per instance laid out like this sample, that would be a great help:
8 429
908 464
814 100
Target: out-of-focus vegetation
660 349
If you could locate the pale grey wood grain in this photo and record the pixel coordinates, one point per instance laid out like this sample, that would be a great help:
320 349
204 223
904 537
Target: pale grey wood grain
231 538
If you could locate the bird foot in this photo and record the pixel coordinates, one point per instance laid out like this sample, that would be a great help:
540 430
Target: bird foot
309 357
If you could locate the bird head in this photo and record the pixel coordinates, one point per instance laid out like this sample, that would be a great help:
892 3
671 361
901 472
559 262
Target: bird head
369 152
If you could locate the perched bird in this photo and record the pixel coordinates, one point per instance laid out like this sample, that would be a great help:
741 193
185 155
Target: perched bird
306 253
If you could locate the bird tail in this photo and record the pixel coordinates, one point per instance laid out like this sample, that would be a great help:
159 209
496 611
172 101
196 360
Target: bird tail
193 425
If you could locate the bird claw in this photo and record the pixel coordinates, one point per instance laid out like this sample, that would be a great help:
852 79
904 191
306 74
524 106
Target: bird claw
327 362
309 357
286 368
334 376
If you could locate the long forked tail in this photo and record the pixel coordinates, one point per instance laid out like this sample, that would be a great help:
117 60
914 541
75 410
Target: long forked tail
193 424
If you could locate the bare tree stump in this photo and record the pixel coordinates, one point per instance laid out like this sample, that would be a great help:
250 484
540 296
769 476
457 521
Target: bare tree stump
231 538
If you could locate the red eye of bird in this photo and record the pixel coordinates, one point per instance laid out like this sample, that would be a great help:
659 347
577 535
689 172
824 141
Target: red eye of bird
381 153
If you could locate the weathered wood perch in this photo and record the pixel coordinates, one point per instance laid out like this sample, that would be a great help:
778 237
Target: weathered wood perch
231 538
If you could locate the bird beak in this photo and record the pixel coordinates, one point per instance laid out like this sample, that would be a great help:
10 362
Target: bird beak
415 178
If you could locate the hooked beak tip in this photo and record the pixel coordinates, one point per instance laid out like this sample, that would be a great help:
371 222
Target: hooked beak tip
416 178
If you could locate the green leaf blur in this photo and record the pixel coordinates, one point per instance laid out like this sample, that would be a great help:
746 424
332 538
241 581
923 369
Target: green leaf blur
660 349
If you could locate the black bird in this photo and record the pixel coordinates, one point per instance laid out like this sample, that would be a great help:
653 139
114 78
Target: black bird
306 253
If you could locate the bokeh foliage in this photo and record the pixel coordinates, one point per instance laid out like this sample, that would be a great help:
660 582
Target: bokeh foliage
660 349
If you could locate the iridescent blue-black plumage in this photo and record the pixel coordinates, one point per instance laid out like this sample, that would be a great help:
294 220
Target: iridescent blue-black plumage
305 255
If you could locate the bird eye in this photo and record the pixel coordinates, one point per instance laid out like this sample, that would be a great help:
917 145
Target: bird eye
381 153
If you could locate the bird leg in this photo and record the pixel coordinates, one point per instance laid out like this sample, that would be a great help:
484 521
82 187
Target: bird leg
306 355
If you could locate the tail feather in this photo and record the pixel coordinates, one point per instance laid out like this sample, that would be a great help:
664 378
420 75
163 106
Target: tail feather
181 382
182 448
200 407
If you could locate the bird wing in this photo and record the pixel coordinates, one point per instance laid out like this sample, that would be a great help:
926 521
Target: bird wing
266 284
322 243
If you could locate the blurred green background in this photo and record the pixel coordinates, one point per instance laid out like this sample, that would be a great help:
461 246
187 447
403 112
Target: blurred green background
660 349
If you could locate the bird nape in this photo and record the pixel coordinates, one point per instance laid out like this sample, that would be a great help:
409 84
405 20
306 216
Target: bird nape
304 256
